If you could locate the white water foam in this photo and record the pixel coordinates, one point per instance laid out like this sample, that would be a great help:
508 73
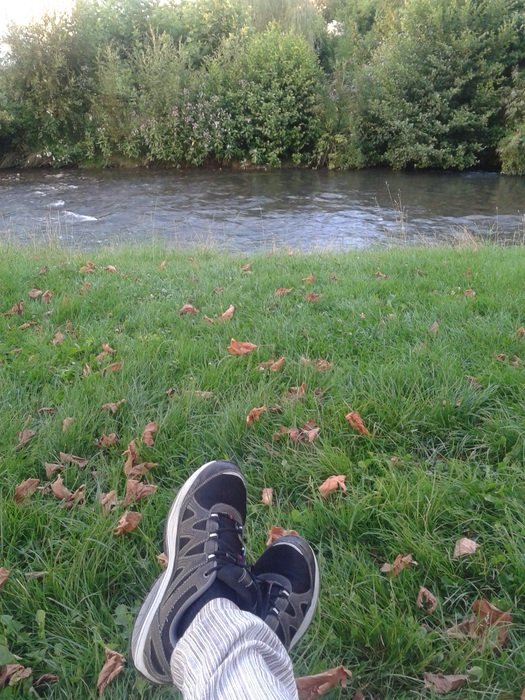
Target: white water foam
78 218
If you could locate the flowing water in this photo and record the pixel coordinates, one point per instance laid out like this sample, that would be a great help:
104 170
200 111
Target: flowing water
247 211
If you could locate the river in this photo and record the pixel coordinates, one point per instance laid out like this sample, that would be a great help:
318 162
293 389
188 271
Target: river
248 211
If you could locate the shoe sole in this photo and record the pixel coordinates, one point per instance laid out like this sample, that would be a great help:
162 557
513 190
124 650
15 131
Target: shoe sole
153 599
315 596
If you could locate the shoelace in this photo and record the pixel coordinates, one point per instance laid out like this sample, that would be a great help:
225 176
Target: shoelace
229 541
269 602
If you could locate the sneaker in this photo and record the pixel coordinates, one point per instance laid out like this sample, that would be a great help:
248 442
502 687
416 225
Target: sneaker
288 576
206 560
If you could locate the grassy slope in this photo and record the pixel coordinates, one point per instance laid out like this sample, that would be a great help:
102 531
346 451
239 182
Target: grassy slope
460 448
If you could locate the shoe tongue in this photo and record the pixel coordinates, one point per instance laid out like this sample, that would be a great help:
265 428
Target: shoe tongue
240 581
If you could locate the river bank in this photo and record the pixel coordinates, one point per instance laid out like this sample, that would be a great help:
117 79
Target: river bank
426 345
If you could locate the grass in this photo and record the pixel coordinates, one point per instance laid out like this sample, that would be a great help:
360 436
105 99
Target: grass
445 458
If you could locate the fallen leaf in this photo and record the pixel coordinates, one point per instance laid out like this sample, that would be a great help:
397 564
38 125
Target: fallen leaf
276 532
464 546
16 310
434 327
35 293
282 291
441 685
113 407
247 267
59 490
45 679
296 392
163 560
88 267
357 423
163 265
171 392
309 279
469 293
26 489
107 440
108 501
86 369
47 409
308 432
25 326
312 296
113 665
67 423
128 522
67 458
275 408
149 432
11 674
402 561
188 309
237 347
218 290
110 268
139 469
358 695
24 437
255 414
52 468
267 496
520 333
273 365
332 484
106 350
136 491
311 687
4 575
113 367
131 456
474 382
320 364
226 315
47 296
427 599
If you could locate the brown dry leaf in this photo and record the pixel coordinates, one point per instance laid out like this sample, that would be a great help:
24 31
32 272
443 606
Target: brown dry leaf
58 338
255 414
107 440
35 293
522 696
59 490
47 409
108 501
520 332
320 364
332 484
45 679
474 382
163 560
441 685
113 367
136 491
247 267
283 291
296 392
88 267
4 575
402 561
188 309
139 469
309 279
275 408
52 468
16 310
11 674
25 489
24 437
25 326
464 546
237 347
427 599
434 327
312 296
163 265
276 532
218 290
310 431
128 522
106 350
171 392
78 497
131 456
113 665
86 369
311 687
357 423
267 496
227 315
149 432
47 296
380 275
113 407
469 293
67 458
67 423
110 268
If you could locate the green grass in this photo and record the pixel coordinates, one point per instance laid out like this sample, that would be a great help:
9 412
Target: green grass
459 448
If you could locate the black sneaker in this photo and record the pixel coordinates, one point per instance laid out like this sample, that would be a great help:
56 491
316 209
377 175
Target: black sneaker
203 544
288 577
